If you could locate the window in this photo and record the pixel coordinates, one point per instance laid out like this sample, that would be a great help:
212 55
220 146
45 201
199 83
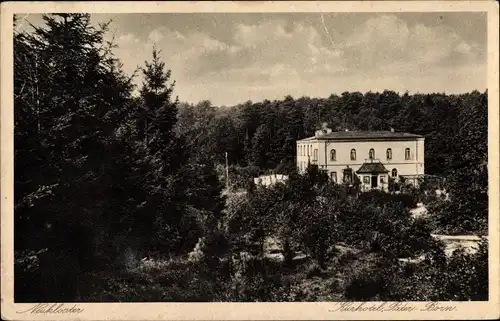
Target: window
333 176
353 154
315 155
333 155
407 154
347 175
389 153
366 179
394 172
371 153
381 179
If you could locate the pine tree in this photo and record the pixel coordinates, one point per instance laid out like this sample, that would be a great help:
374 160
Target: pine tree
159 114
70 99
159 223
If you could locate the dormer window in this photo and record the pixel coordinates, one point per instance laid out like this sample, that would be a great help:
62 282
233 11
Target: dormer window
407 154
333 155
353 154
389 153
371 153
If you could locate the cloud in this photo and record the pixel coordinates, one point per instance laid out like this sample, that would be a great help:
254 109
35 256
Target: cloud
277 57
127 40
387 40
297 49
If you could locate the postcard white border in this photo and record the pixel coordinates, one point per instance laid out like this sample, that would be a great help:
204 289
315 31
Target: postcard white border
243 311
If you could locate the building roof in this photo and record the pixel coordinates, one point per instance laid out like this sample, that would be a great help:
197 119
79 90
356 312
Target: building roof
364 135
375 168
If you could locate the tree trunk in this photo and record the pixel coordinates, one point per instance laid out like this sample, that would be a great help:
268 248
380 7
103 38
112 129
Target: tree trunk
288 253
321 254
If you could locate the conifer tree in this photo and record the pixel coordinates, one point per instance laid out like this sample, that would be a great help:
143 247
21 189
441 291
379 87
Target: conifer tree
70 99
162 216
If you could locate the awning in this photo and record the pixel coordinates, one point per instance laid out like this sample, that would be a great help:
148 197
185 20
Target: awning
372 168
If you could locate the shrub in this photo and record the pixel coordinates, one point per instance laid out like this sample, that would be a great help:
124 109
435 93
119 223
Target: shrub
365 286
379 198
365 279
312 269
462 277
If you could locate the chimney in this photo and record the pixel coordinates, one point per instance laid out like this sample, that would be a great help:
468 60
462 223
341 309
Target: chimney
319 133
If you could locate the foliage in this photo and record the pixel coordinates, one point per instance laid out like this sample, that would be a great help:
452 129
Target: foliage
102 178
112 191
463 277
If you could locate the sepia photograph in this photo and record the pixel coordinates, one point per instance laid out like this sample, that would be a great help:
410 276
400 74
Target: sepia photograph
260 157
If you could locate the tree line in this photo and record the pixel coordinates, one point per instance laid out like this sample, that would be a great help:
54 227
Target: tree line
264 133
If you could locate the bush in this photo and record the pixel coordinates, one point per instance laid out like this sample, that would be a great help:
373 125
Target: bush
286 168
364 287
312 269
462 277
169 280
466 275
365 278
379 198
240 177
454 217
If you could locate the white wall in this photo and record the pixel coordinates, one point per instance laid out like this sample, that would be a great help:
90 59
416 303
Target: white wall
267 180
304 154
413 166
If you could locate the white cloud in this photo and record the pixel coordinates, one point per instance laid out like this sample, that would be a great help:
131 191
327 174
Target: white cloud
277 57
380 33
271 60
127 40
386 40
253 35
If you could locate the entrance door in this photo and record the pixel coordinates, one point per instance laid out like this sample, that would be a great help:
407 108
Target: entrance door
374 181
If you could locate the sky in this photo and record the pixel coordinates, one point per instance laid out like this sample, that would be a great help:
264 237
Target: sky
235 57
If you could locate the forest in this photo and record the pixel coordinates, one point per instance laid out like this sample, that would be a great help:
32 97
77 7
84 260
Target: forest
121 197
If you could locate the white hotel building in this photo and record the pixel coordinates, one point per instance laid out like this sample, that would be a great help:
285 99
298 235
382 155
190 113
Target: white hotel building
370 156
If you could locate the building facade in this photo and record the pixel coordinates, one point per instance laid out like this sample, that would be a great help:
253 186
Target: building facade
268 180
370 158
